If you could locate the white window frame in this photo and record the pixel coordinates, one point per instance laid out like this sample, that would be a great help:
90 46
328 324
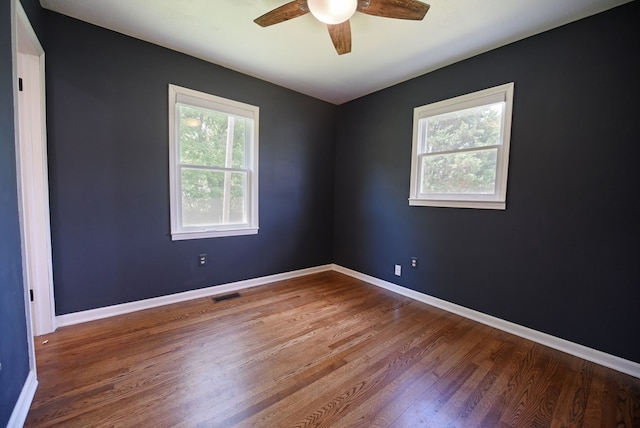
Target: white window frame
497 200
180 95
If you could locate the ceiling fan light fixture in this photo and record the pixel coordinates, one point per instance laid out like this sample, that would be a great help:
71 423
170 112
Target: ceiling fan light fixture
332 11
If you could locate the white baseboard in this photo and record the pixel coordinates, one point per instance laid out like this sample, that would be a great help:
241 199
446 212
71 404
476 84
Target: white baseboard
620 364
110 311
21 409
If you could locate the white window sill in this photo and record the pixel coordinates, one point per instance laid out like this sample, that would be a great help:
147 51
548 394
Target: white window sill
183 236
489 205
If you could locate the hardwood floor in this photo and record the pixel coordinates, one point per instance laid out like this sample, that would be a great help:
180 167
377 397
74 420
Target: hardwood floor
323 350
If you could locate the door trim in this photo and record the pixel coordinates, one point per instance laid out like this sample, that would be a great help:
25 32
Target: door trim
33 176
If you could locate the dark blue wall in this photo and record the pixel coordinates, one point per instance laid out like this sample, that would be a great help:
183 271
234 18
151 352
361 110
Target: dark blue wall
108 153
14 352
36 17
563 258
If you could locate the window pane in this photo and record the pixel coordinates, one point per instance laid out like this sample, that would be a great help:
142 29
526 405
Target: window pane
211 138
213 197
474 127
468 172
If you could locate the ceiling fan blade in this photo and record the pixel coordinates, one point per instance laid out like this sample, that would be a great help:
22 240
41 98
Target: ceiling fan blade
399 9
341 37
283 13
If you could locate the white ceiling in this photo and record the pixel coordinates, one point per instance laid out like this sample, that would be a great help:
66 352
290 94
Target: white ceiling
298 54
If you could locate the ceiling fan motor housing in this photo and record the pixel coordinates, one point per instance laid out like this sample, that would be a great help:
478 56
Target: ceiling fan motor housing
332 11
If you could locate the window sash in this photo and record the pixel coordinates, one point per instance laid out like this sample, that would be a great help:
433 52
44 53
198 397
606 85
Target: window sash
225 200
211 102
472 195
229 132
426 138
464 102
465 150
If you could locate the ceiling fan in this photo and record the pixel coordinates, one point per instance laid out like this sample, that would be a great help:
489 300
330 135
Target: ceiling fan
336 14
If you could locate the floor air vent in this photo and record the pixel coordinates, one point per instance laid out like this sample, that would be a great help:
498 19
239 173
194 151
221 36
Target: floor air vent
225 297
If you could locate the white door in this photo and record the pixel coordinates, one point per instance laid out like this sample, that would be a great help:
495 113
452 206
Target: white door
33 177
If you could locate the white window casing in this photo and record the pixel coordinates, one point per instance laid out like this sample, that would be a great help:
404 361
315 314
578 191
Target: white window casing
214 212
446 149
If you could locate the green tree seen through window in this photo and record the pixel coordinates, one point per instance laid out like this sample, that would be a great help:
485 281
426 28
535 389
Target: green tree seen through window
216 140
458 169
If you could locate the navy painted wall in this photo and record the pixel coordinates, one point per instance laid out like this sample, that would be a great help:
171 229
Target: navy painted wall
14 352
36 18
563 258
108 153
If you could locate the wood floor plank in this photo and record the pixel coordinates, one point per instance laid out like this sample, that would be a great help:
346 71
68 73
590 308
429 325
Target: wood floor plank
487 391
573 400
321 350
386 406
378 348
458 369
367 351
354 402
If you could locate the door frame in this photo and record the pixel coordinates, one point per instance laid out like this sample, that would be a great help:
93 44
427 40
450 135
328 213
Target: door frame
33 182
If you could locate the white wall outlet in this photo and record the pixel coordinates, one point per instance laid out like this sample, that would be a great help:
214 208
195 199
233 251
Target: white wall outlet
398 270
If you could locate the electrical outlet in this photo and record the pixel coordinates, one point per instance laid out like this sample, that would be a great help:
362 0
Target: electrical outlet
414 262
202 260
398 270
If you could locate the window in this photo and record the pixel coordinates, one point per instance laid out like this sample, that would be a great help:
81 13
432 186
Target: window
461 150
213 165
